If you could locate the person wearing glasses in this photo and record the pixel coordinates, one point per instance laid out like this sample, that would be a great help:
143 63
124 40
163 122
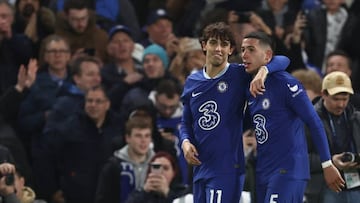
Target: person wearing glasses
169 109
85 72
52 75
77 23
80 147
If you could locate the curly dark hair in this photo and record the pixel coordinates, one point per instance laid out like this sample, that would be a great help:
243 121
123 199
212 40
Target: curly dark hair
218 30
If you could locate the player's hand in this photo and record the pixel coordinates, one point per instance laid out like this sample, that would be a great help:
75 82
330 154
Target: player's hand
190 153
333 178
257 85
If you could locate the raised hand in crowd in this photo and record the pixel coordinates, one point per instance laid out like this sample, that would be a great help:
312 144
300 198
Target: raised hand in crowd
26 75
259 23
172 45
299 25
30 29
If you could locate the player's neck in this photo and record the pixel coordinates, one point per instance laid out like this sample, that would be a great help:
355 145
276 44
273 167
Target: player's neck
213 71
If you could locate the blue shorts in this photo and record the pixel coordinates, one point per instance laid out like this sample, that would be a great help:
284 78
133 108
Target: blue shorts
219 189
281 189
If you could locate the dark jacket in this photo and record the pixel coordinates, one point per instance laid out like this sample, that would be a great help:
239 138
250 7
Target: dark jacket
13 52
138 96
13 151
40 99
10 104
112 77
315 36
350 42
69 100
5 155
317 183
113 80
75 155
116 181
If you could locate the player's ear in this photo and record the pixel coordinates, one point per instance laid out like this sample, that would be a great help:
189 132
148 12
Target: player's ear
231 50
203 45
268 55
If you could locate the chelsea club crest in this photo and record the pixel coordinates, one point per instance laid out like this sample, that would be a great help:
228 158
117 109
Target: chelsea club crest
222 86
265 103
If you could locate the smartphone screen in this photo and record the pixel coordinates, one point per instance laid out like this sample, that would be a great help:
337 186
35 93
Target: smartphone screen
155 168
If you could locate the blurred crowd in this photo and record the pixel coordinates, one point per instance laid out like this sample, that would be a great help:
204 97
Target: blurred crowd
90 90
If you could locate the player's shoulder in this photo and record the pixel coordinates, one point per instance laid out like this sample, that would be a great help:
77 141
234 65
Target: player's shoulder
193 81
235 70
283 76
196 75
236 66
283 79
286 83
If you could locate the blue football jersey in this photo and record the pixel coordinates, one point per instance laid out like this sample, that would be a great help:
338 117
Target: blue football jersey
212 119
279 116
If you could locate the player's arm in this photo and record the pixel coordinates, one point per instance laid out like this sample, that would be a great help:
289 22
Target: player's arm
305 110
186 137
277 63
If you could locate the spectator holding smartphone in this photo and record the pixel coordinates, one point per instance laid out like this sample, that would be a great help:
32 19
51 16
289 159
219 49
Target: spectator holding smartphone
160 184
7 191
12 186
126 170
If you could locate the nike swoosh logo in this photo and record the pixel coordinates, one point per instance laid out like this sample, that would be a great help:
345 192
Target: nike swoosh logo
250 102
195 94
293 88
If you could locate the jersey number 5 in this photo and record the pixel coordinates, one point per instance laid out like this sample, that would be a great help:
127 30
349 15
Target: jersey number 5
273 198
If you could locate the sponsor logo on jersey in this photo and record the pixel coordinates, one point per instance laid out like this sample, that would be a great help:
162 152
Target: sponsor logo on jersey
261 133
